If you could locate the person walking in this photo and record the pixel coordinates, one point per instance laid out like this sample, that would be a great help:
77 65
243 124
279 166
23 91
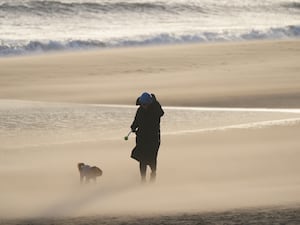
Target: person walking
146 126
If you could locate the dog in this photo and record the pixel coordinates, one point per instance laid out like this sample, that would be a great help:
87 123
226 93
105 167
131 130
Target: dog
88 172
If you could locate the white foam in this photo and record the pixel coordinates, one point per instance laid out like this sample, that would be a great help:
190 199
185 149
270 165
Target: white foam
236 109
261 124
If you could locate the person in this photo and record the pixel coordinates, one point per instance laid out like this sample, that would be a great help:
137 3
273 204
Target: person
146 126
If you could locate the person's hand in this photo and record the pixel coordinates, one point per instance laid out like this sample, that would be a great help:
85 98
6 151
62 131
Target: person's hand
153 97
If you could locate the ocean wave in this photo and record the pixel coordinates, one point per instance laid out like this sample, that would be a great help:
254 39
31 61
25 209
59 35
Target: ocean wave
19 48
67 8
48 46
45 8
292 5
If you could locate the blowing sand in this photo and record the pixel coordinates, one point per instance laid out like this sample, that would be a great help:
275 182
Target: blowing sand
262 74
238 172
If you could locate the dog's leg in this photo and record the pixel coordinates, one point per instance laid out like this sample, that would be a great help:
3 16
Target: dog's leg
81 178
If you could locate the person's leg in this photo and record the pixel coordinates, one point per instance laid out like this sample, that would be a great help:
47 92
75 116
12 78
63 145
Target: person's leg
143 170
153 167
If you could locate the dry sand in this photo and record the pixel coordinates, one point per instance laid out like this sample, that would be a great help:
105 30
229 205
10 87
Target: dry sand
203 178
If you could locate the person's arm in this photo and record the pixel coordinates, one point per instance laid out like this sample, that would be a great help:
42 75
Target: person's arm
159 111
135 124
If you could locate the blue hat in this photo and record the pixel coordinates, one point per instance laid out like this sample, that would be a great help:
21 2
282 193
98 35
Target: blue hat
145 99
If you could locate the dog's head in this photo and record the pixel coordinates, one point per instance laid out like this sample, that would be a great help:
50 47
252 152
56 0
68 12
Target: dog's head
80 165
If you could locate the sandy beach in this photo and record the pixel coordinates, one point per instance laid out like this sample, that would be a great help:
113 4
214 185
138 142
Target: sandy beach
216 166
251 74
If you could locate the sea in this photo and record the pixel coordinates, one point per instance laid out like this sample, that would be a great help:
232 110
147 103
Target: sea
41 26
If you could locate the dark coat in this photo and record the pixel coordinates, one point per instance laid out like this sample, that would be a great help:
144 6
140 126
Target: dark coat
146 125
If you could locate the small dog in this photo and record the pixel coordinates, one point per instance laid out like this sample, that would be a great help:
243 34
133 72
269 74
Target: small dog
88 172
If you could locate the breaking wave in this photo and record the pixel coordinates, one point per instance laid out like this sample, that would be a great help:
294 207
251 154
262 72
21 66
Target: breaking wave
23 47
